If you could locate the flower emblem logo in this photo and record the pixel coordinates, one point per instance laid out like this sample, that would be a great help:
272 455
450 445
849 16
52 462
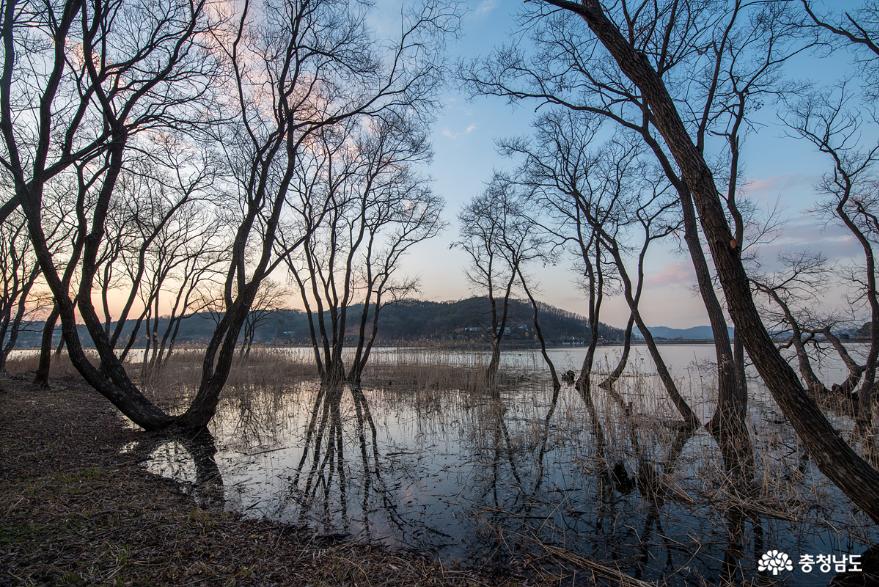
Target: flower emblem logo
775 561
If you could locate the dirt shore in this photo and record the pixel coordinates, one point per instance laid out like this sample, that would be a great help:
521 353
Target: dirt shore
75 509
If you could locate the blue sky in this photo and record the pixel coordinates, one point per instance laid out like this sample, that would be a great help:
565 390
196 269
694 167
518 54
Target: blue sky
779 168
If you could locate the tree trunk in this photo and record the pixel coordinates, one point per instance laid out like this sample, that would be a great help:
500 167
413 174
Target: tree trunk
493 363
335 370
813 384
741 375
556 384
41 377
218 359
614 375
730 406
732 390
664 375
831 453
498 327
661 368
854 370
596 295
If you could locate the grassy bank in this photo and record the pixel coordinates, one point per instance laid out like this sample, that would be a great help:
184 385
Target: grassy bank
75 509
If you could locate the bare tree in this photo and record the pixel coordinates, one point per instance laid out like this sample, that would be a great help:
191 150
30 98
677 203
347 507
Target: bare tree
18 274
162 224
790 292
186 259
106 93
597 194
498 237
378 210
59 210
271 297
832 454
538 247
849 191
98 105
552 168
651 217
719 61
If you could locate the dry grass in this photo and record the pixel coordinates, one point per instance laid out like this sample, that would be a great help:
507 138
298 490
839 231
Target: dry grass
279 369
76 511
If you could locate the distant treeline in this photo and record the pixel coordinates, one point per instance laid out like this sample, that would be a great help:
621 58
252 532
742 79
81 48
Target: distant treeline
462 322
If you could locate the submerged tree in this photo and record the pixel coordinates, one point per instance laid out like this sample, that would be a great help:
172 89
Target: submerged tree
792 294
597 195
721 59
377 210
850 198
499 238
614 31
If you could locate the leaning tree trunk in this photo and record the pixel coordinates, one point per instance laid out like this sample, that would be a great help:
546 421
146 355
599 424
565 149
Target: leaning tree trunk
617 372
614 375
664 375
218 359
661 368
110 380
730 406
854 370
741 374
556 384
831 453
813 384
728 423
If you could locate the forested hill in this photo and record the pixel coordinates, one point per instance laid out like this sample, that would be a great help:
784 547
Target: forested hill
463 322
470 320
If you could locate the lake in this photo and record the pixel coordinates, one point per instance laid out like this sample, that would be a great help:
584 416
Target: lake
560 485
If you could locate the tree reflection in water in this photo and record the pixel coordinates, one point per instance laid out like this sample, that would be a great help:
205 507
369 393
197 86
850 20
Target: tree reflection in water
505 479
322 465
189 459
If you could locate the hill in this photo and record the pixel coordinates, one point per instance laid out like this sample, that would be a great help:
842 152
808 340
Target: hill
470 319
462 322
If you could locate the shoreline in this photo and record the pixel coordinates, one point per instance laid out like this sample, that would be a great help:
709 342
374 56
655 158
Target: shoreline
79 510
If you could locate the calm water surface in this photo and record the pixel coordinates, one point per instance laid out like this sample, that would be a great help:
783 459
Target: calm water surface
494 481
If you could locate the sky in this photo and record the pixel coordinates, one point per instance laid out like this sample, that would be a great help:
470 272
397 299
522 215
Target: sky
781 172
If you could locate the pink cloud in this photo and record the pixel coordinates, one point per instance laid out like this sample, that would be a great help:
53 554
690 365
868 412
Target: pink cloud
772 185
673 273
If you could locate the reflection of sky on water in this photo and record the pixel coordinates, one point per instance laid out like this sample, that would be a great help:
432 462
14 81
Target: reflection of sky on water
481 480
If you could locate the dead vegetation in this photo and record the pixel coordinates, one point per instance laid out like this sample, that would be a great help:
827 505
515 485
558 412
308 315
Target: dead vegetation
79 510
269 368
75 511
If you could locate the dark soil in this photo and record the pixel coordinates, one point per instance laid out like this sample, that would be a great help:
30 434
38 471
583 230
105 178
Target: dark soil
76 509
